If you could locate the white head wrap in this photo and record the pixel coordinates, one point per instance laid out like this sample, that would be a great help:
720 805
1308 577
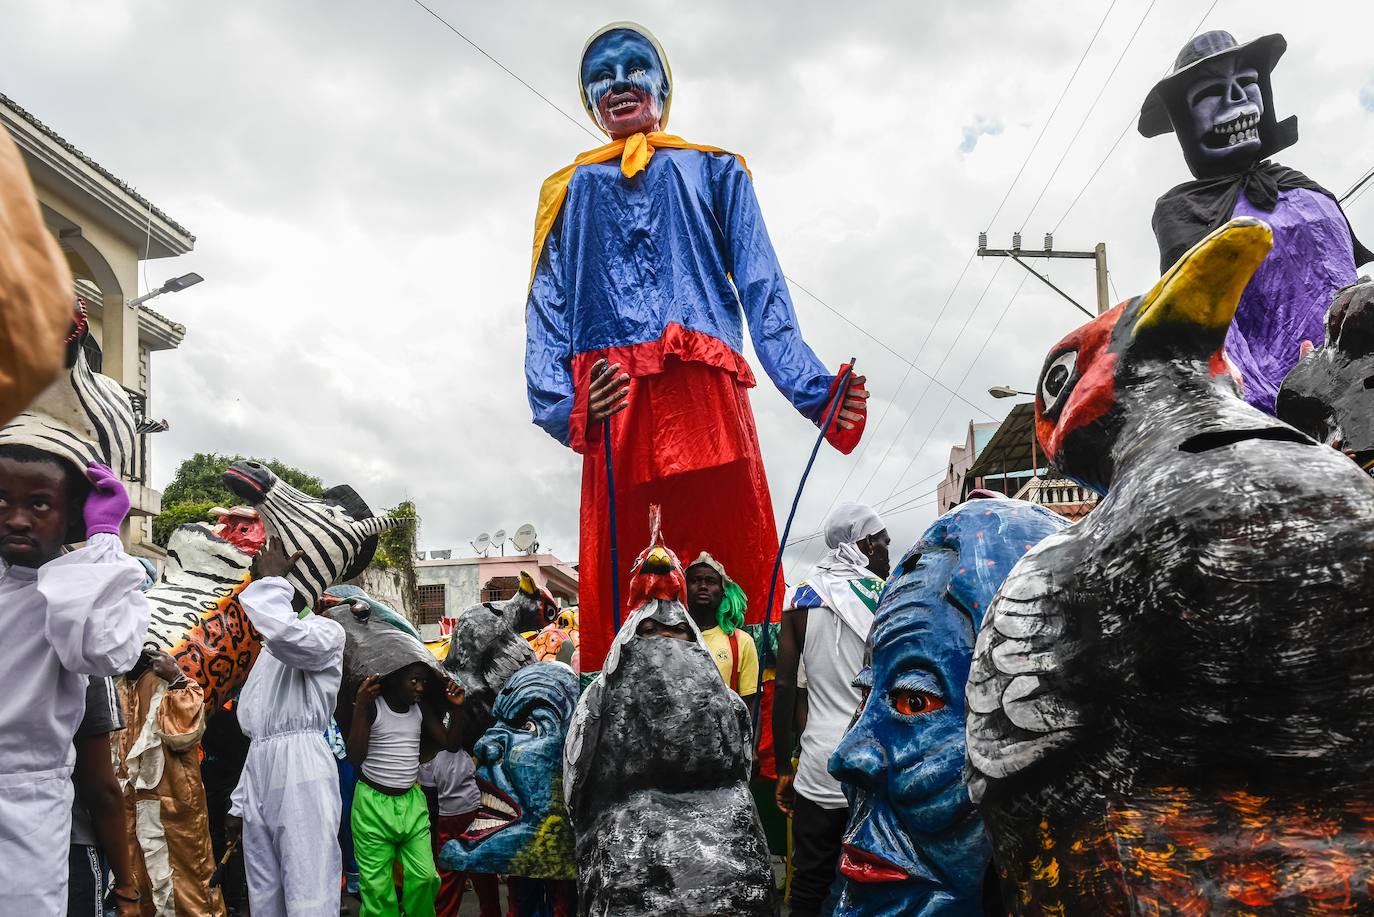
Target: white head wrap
851 522
844 563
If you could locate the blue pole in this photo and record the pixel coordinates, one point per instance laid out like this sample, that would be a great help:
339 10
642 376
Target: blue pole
787 530
615 546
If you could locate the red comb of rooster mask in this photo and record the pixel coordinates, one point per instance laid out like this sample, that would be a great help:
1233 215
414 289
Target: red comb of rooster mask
657 573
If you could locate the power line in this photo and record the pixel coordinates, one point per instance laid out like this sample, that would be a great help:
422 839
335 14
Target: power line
1077 197
1091 108
910 364
1356 187
509 72
1044 127
957 338
1126 127
872 434
986 340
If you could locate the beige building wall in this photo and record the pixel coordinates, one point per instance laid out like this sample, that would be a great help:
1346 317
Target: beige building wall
106 229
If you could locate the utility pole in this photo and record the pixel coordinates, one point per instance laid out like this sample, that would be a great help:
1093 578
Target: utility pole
1016 253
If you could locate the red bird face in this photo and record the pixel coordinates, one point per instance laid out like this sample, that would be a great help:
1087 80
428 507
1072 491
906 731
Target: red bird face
1115 371
1077 384
657 573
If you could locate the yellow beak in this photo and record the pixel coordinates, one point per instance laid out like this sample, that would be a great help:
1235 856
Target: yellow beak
1204 287
659 558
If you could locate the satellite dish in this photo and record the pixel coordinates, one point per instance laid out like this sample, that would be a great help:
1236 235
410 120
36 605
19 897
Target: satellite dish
481 544
498 540
526 539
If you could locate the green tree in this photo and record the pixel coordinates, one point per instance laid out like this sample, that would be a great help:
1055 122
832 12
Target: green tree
396 548
198 486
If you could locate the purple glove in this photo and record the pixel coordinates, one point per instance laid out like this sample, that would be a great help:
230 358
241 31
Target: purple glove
108 502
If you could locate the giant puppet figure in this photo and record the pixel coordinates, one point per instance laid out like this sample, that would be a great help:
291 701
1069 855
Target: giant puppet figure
914 844
1169 707
1219 102
656 769
650 255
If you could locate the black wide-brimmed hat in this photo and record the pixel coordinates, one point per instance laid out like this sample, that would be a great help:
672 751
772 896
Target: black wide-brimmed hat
1262 54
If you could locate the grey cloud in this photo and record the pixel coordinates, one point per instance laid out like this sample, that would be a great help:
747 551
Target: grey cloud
362 185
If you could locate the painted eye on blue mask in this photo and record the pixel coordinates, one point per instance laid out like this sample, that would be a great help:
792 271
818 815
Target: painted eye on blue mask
915 694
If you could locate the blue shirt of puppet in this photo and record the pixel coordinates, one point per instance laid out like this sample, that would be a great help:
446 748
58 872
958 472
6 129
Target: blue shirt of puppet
522 828
915 844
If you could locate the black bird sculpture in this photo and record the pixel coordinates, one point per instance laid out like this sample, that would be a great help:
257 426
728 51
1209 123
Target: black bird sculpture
1171 704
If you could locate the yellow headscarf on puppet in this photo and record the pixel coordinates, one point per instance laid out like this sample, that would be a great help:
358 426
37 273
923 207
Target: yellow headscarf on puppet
634 152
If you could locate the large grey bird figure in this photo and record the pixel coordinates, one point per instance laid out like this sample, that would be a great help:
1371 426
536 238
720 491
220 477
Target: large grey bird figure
1171 704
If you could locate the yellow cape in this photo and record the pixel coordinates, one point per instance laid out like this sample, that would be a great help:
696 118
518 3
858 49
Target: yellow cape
634 154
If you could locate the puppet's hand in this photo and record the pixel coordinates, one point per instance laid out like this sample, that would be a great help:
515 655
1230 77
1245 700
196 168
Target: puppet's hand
455 693
609 392
855 406
108 502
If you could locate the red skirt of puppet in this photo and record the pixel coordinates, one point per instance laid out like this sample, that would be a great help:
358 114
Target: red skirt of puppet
687 442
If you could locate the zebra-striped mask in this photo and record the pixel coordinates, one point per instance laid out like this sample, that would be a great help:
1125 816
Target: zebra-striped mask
83 417
337 545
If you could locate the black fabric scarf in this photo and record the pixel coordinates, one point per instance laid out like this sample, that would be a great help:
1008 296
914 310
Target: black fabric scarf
1188 212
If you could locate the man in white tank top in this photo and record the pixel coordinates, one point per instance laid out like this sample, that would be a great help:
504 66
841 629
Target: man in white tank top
825 631
390 817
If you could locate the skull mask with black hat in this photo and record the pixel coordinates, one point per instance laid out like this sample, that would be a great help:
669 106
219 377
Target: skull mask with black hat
1219 101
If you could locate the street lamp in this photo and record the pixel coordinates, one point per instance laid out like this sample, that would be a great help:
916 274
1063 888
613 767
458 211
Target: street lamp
1006 391
175 285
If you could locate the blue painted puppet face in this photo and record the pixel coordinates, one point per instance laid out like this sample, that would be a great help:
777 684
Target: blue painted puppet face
522 827
915 844
624 83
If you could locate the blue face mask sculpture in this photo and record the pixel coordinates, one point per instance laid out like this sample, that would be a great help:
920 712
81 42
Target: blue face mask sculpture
525 830
915 844
624 85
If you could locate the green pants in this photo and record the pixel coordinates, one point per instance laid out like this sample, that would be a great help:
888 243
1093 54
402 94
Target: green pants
387 829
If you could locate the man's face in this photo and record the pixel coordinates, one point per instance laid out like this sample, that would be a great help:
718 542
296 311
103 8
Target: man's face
35 505
1226 105
624 83
875 548
651 628
704 589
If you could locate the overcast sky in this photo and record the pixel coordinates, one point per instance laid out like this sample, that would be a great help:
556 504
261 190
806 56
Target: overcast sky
361 183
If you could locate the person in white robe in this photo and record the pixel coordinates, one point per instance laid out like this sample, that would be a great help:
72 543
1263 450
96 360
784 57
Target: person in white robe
67 616
288 796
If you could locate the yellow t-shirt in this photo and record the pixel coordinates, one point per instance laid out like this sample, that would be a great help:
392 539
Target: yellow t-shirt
719 645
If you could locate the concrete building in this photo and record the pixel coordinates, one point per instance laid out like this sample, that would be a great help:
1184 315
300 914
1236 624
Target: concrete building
105 229
1007 459
951 490
447 585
